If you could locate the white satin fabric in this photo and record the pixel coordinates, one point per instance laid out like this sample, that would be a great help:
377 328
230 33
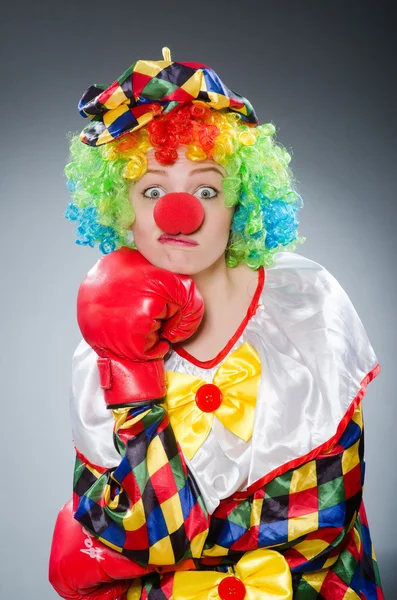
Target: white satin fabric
314 353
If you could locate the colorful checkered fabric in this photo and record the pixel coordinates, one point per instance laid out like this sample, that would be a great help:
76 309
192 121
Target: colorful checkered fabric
353 576
313 514
149 508
148 88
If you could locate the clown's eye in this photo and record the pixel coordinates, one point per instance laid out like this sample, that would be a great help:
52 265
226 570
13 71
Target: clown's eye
154 191
205 193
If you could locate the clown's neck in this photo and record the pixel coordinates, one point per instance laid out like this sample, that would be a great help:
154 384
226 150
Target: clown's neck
216 283
227 294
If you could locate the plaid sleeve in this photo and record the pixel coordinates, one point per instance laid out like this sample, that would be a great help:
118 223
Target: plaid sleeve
354 575
149 507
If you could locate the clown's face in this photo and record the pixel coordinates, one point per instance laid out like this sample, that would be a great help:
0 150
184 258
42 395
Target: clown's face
201 179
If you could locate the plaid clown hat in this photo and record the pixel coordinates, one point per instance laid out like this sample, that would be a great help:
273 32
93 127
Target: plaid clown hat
148 88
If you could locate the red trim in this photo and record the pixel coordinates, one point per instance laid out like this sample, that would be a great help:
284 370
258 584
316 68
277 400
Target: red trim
208 364
297 462
89 463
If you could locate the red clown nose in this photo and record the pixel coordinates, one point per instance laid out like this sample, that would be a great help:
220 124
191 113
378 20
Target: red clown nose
178 212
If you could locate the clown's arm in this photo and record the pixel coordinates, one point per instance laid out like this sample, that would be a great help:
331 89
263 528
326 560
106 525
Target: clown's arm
147 507
338 557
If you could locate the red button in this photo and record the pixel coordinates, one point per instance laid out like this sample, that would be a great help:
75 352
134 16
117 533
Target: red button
231 588
208 397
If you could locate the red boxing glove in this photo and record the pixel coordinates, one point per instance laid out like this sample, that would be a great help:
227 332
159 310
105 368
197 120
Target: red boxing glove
124 306
81 567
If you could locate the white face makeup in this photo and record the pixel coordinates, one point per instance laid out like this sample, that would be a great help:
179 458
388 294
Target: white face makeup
202 179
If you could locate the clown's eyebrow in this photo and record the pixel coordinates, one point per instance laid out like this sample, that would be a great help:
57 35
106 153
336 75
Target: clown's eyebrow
201 170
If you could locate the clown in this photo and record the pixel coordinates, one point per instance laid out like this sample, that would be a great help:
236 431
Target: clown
216 396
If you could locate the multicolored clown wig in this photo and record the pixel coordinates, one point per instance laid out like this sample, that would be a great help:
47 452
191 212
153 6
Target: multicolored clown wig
165 105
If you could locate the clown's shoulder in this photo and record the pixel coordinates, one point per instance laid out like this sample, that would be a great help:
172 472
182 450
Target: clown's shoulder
315 363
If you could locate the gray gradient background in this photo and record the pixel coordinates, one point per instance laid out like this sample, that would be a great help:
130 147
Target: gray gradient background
323 73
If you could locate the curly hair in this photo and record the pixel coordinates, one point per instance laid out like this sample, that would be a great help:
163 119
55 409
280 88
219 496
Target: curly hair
259 183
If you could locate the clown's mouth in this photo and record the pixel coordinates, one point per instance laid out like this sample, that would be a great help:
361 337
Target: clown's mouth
178 240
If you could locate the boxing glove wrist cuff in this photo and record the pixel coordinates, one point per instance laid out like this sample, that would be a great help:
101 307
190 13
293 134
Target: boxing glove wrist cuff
126 381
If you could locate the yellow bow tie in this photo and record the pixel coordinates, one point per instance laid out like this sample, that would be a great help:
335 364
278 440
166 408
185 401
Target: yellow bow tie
259 575
192 403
